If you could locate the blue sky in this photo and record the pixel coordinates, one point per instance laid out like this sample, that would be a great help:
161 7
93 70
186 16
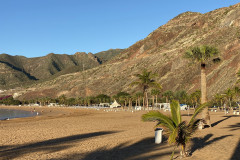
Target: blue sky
34 28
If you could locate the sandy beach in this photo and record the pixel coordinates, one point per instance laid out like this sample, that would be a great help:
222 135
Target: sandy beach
88 134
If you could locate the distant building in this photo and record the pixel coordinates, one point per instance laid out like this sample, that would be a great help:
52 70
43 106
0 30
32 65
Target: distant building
115 105
52 104
104 105
164 106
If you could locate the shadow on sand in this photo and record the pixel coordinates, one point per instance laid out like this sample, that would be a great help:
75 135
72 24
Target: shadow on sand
236 154
187 115
216 123
199 143
137 151
234 127
49 146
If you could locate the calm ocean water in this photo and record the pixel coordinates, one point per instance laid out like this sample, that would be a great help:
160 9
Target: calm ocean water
11 113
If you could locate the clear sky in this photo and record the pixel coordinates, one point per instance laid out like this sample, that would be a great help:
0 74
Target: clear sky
34 28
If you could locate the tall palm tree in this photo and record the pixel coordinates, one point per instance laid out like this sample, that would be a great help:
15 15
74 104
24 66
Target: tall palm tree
179 131
203 54
146 81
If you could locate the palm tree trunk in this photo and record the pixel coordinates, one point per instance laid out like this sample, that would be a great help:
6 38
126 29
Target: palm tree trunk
205 113
153 101
147 100
184 150
129 104
143 103
139 102
230 105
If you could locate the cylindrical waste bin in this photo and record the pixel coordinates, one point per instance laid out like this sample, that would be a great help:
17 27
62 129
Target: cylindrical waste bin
158 135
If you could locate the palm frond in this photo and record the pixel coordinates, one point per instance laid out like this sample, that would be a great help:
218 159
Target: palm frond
197 111
202 53
172 136
161 118
175 111
193 126
155 85
135 83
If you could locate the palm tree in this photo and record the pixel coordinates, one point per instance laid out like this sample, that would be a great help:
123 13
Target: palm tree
129 98
196 96
145 81
138 96
121 97
202 55
62 99
179 131
155 93
181 96
219 99
229 94
168 95
237 95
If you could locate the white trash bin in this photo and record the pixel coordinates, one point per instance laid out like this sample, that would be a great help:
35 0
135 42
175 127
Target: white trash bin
158 135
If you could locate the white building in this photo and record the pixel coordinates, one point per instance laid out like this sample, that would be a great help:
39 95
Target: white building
115 104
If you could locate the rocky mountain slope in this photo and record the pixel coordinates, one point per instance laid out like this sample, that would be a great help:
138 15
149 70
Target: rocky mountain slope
161 52
19 70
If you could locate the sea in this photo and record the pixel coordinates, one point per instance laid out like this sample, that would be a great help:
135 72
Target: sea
6 114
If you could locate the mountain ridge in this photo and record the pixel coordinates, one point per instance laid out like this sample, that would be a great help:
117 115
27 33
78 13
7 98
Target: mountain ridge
51 65
162 53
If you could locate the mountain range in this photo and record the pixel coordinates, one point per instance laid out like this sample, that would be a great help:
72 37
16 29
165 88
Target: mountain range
21 71
160 52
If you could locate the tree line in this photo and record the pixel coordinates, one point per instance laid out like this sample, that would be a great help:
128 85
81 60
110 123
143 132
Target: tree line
229 98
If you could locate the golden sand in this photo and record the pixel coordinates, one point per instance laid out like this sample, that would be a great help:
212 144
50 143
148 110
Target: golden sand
88 134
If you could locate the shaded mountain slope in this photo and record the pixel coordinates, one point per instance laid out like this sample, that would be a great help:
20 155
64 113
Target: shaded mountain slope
108 55
49 66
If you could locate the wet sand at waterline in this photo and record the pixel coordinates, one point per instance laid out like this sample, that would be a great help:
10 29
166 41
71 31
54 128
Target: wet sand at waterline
88 134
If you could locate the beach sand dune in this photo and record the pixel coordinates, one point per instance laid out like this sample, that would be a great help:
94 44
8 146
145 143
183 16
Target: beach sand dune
87 134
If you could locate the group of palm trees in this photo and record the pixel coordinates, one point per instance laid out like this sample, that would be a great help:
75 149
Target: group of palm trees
228 99
180 131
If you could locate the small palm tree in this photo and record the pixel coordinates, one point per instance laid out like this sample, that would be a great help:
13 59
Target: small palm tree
179 131
145 81
195 97
155 93
219 99
229 94
62 99
168 95
181 96
237 95
139 96
202 55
